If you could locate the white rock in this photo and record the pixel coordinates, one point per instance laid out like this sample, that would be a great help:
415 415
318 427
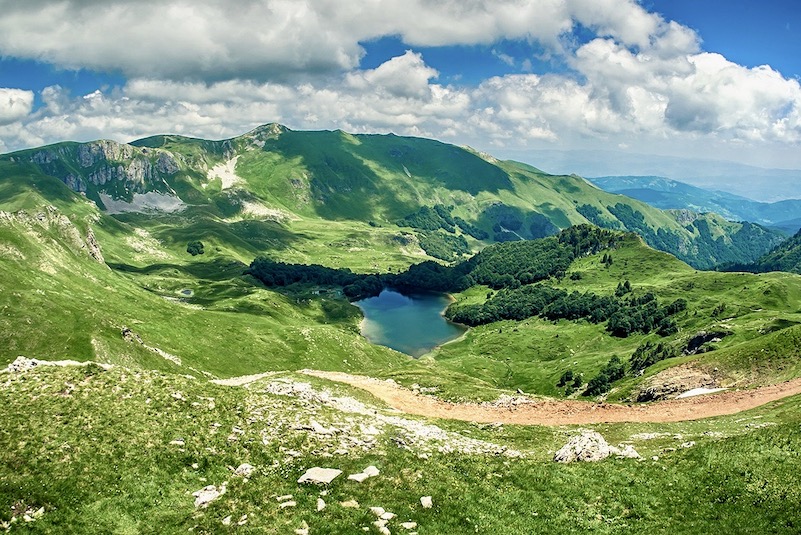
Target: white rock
284 498
351 504
207 494
358 477
290 503
378 511
589 446
226 521
303 529
177 442
408 525
426 502
320 504
319 475
244 470
371 471
388 516
627 451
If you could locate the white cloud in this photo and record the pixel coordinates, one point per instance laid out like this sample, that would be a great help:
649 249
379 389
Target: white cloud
401 76
205 69
273 39
15 104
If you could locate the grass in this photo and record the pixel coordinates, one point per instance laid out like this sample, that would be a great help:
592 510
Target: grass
93 449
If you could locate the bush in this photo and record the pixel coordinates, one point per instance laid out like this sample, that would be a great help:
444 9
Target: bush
195 247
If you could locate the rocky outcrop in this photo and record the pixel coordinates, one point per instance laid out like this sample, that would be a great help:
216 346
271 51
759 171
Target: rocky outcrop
105 162
93 247
590 446
674 381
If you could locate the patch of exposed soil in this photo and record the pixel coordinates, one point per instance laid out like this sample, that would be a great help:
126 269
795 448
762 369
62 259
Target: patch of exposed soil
568 412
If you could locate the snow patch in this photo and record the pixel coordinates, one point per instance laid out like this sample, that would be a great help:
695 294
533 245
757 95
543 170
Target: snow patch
699 392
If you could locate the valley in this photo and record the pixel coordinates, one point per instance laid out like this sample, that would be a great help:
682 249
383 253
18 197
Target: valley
215 281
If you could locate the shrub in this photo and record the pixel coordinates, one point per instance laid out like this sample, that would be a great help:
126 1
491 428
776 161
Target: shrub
195 247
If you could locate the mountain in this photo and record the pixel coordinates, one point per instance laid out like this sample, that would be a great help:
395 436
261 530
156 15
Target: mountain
334 180
153 376
752 182
785 257
668 194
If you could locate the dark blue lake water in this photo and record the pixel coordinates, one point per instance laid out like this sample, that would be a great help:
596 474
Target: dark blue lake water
411 324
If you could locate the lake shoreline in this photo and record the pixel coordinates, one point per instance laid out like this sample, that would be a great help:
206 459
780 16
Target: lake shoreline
413 324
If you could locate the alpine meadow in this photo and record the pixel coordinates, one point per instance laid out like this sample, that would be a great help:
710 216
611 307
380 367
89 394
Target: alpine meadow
216 223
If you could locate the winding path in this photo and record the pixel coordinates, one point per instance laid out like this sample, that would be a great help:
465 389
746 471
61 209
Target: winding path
568 412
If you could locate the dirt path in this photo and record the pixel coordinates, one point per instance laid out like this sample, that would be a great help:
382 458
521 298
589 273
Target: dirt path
567 412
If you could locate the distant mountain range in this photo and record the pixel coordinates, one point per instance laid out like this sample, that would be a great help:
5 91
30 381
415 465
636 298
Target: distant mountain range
670 194
760 184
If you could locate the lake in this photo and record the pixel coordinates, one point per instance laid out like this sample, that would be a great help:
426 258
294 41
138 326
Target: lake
410 324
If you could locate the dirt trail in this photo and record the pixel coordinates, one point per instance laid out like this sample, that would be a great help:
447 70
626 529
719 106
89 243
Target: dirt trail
567 412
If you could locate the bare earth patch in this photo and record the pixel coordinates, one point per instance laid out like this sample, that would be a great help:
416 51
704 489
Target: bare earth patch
568 412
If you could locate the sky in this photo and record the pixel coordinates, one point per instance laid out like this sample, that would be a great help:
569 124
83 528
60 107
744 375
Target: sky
686 78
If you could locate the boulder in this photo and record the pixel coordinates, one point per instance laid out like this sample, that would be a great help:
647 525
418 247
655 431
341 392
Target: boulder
590 446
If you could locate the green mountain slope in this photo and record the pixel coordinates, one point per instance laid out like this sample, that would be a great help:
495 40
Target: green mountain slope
785 257
343 181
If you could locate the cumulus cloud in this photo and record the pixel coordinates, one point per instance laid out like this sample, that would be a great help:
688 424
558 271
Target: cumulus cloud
402 76
15 104
271 39
205 69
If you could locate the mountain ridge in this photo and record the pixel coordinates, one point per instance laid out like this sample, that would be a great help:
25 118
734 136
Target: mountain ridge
377 179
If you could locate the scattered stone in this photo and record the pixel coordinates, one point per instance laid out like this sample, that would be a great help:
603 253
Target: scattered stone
627 451
689 444
177 442
195 466
351 504
242 520
381 526
244 470
426 502
377 511
207 494
226 521
655 458
290 503
371 471
303 529
320 504
409 525
284 498
388 516
319 475
178 396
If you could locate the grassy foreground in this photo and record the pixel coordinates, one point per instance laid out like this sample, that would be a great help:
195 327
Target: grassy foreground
122 451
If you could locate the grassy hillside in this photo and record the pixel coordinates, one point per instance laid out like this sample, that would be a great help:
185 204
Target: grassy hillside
84 450
343 182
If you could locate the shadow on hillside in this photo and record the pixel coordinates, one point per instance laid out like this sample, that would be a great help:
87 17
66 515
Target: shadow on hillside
213 270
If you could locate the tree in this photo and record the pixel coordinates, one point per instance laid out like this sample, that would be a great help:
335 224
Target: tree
195 247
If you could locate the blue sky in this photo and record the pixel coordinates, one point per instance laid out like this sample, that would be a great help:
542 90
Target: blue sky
689 78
